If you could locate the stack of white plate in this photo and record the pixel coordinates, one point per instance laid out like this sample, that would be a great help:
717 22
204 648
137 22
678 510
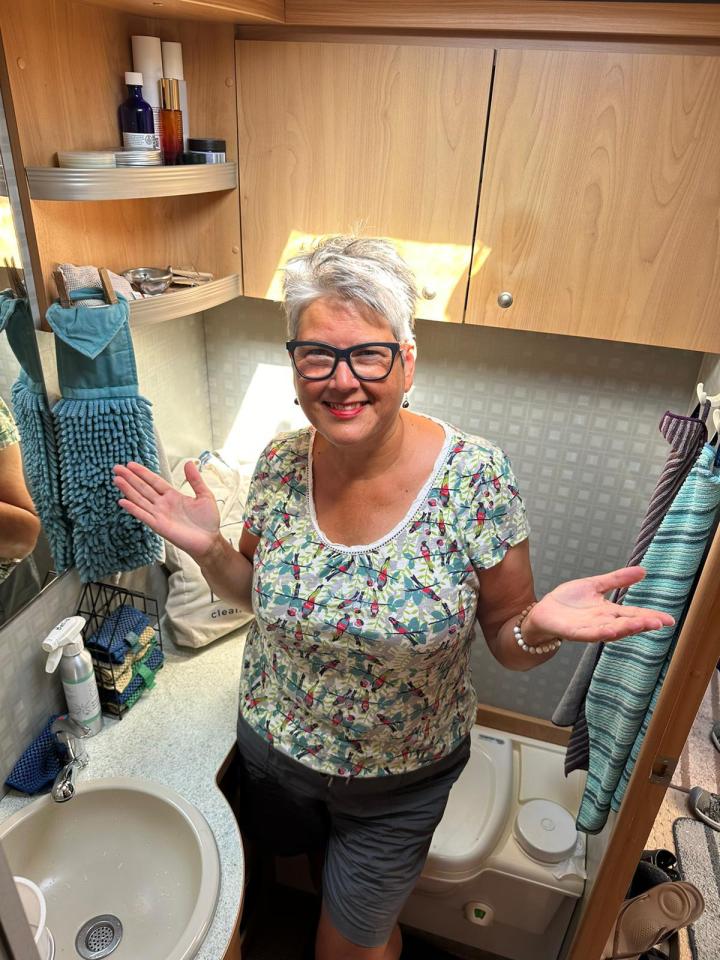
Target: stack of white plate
138 158
86 159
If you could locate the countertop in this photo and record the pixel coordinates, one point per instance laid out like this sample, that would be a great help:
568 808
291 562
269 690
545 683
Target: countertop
179 734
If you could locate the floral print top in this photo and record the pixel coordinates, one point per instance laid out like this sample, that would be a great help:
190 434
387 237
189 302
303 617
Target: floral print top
8 436
358 661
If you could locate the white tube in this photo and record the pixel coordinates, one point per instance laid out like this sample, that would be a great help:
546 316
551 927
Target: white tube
172 61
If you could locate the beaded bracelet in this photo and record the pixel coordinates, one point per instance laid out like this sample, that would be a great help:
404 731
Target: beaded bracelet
549 647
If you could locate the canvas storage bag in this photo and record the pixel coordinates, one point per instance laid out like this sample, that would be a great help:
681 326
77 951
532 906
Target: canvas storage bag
193 612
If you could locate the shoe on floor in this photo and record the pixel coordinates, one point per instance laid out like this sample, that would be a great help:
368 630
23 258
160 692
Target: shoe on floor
715 735
652 918
705 806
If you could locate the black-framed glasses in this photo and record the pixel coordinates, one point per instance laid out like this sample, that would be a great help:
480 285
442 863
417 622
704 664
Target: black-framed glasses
314 360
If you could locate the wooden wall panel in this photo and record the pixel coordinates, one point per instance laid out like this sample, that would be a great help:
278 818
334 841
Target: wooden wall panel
524 17
120 234
66 64
233 11
601 187
381 140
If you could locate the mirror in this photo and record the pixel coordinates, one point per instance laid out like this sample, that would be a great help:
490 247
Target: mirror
19 582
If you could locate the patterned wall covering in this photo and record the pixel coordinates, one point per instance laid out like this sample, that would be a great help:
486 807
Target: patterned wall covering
577 417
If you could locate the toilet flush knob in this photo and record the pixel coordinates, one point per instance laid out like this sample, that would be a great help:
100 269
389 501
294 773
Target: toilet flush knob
480 913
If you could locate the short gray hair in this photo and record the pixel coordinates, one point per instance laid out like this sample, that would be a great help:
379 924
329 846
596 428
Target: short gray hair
354 269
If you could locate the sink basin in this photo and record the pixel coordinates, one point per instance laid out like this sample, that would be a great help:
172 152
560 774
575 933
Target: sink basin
121 849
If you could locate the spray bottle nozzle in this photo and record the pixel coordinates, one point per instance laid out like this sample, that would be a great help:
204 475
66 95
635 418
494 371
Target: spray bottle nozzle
64 639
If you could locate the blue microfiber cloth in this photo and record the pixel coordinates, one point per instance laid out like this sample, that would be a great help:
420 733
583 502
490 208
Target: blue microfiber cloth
101 420
40 763
144 671
37 430
118 633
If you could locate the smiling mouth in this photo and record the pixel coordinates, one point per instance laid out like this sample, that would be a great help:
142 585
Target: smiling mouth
345 411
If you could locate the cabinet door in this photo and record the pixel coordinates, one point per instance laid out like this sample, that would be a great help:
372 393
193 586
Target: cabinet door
377 139
599 205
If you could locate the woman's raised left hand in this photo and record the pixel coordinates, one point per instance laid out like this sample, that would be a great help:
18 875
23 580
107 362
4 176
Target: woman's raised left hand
578 611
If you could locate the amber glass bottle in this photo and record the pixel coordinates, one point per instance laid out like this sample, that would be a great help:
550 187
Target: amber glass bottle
171 129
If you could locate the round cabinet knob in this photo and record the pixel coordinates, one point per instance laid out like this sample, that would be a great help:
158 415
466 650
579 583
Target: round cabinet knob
505 300
428 293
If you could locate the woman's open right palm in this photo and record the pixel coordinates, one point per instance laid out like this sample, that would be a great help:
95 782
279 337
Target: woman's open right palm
191 523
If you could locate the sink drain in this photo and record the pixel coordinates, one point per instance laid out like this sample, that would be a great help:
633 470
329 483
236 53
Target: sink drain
98 937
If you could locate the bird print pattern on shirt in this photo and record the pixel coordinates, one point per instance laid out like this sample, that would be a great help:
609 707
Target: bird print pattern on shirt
358 661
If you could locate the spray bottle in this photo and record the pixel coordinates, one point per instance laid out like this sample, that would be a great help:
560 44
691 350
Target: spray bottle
65 646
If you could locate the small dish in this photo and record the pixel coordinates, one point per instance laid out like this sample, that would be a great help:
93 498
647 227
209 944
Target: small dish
149 280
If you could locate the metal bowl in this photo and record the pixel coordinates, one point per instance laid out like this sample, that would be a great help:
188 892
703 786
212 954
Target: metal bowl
149 280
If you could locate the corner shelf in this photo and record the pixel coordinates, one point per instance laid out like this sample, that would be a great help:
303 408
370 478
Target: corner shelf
184 301
129 183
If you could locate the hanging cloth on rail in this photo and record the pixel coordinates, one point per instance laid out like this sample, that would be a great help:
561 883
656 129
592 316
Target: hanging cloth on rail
101 420
625 684
686 436
38 443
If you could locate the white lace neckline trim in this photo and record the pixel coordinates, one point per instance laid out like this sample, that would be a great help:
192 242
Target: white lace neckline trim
412 510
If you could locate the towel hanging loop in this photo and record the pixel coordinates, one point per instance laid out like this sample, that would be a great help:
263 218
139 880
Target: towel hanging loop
702 396
61 286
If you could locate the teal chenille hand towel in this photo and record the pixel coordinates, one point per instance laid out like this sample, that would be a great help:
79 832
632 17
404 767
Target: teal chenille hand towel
37 430
628 678
101 420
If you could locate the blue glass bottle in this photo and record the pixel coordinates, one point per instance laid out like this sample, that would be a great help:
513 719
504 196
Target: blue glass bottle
136 117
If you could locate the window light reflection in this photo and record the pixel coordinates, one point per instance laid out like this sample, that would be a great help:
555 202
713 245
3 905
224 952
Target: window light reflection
440 268
267 409
8 242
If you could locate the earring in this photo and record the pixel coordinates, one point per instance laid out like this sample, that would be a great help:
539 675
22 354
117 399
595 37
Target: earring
296 402
405 404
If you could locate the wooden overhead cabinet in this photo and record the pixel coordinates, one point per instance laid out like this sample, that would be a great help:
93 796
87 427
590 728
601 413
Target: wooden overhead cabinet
232 11
600 195
121 218
381 139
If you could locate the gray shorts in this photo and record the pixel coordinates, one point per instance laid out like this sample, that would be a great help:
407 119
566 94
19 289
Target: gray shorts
376 831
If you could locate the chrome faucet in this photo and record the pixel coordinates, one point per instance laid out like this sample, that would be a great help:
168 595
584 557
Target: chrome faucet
70 733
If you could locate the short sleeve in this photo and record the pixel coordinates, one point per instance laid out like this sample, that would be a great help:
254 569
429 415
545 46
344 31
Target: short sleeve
256 504
276 465
496 517
8 431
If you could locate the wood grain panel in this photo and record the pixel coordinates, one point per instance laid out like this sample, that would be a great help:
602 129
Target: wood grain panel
233 11
521 724
525 17
68 100
598 210
377 139
120 234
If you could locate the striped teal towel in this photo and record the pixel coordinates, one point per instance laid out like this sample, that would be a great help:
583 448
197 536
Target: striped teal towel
629 674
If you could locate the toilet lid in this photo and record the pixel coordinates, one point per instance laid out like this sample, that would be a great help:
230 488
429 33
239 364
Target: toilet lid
476 812
545 831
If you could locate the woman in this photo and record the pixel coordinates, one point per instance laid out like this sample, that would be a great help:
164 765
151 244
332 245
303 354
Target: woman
19 523
372 541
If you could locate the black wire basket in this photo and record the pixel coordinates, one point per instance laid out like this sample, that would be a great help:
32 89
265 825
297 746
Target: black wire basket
123 635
